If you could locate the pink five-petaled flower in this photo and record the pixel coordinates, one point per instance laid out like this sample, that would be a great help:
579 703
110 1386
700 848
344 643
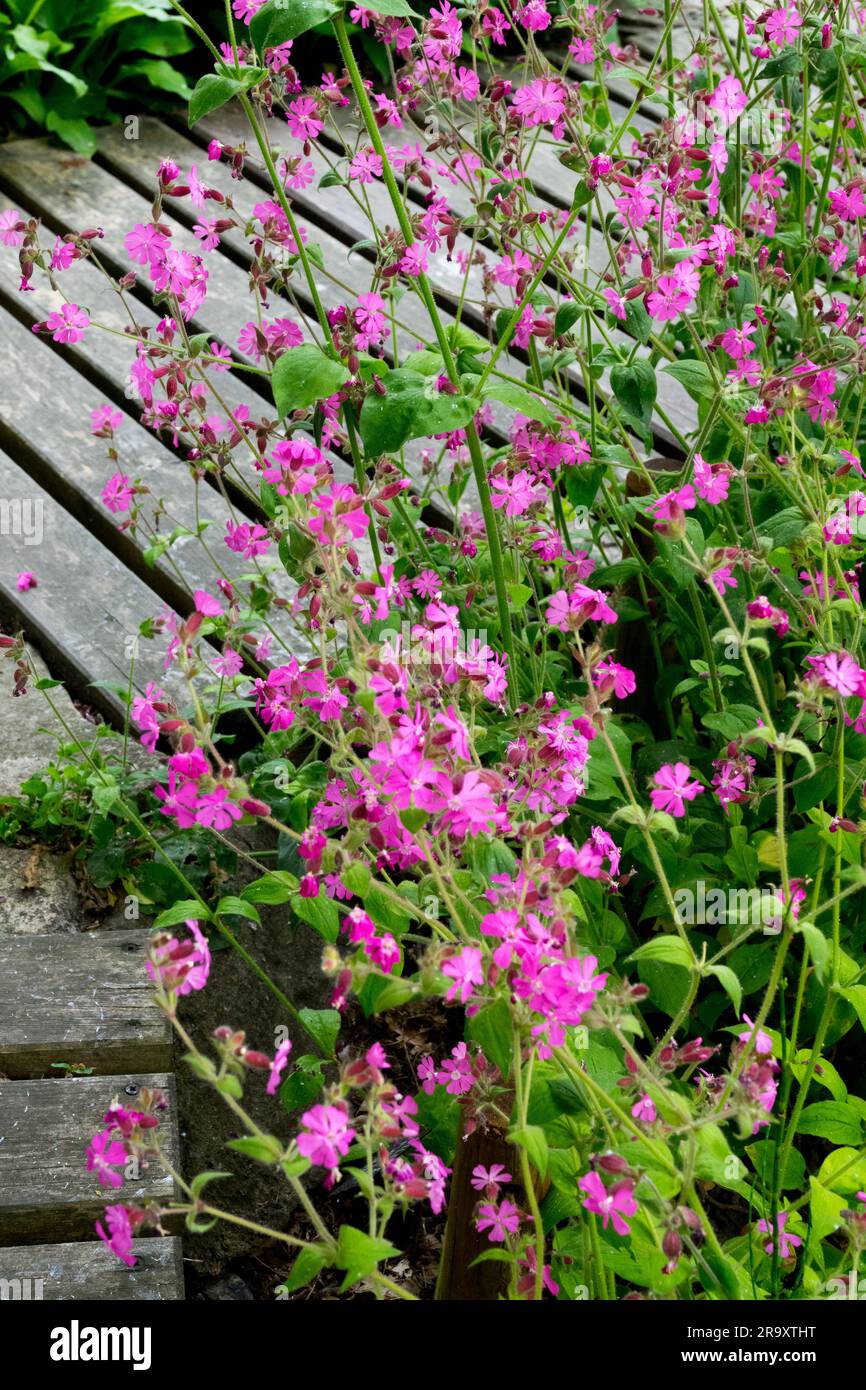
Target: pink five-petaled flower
465 971
668 300
104 1154
26 580
327 1136
673 788
118 494
500 1222
483 1179
611 1205
67 324
541 102
118 1237
670 510
787 1242
610 676
644 1110
728 99
278 1066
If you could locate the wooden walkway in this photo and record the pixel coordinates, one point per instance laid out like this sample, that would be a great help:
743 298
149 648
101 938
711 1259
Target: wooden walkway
83 997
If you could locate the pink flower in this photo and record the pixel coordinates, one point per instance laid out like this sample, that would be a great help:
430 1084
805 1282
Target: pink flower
327 1136
722 579
670 510
728 99
182 966
610 676
712 481
118 1237
206 605
464 969
26 580
366 166
303 118
484 1178
103 1154
673 788
117 493
278 1066
613 1205
787 1242
501 1222
413 262
668 299
541 102
644 1110
763 1041
67 324
838 671
11 228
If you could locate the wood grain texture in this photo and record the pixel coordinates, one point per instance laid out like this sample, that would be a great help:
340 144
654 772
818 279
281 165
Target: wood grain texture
86 999
87 604
46 1192
86 1271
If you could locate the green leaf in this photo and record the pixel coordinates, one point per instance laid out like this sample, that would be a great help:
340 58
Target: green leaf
533 1139
304 375
200 1181
566 317
855 994
323 1025
491 1029
412 408
834 1120
763 1155
262 1147
271 889
730 984
694 376
189 910
357 878
281 20
825 1209
359 1254
819 949
158 73
843 1170
519 398
670 949
319 913
634 387
232 906
582 195
637 321
300 1089
309 1263
519 595
213 91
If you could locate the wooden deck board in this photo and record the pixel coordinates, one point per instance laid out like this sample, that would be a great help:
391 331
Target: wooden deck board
86 1271
87 605
86 999
45 1127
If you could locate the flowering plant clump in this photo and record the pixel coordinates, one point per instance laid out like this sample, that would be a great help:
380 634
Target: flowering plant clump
566 736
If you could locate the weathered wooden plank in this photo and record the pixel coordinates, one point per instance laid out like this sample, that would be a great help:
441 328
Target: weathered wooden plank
85 1271
87 1000
56 446
75 193
87 607
46 1192
343 276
